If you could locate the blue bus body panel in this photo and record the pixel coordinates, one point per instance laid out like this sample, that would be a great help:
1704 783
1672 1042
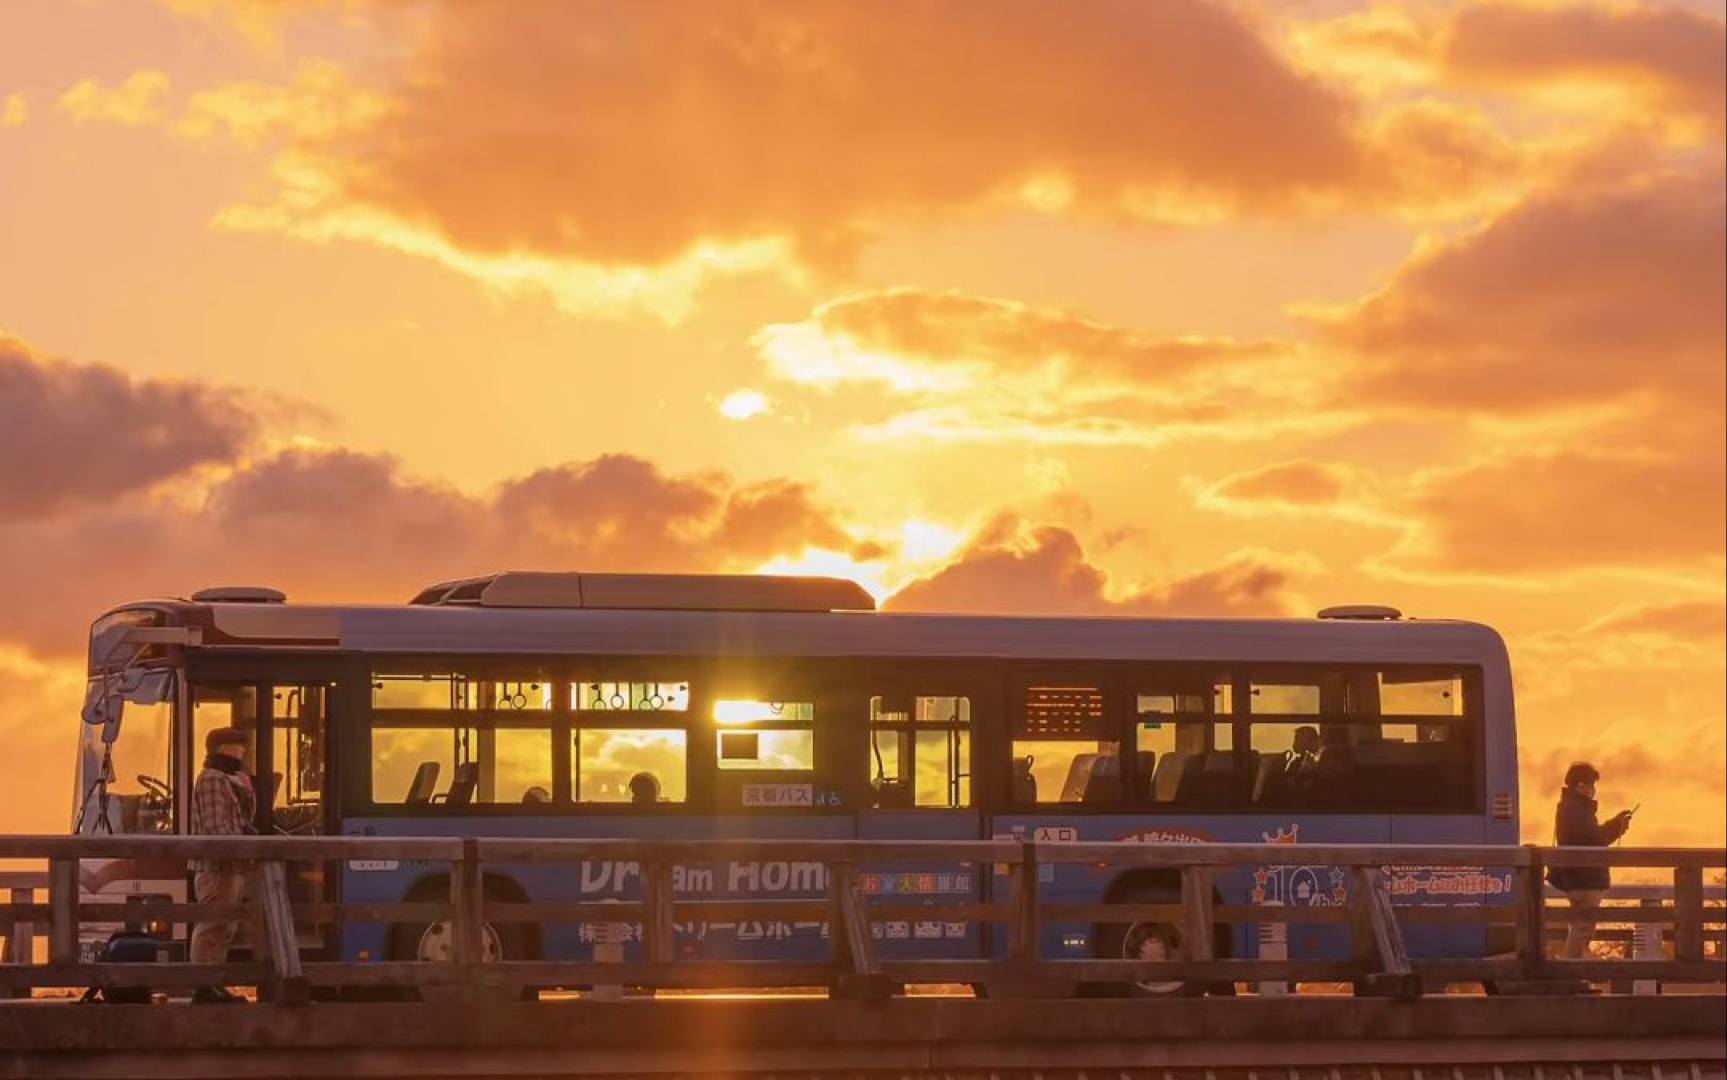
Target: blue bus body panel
1290 883
599 881
924 939
1427 886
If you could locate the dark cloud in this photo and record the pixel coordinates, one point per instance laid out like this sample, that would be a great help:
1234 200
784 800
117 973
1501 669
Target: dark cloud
344 526
1013 568
75 434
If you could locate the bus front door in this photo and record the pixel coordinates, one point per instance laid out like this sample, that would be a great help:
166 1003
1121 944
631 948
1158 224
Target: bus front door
294 790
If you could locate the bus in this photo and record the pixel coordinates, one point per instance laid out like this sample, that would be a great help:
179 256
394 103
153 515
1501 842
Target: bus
553 704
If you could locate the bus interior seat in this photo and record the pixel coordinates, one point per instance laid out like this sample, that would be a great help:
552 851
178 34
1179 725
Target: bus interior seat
1269 781
1398 773
425 782
1103 781
1218 780
1146 762
463 784
1173 769
1024 788
1078 775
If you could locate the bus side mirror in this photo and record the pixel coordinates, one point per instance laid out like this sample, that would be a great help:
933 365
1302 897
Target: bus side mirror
100 707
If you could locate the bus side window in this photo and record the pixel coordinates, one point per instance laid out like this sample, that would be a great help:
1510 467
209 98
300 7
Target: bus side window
1184 745
469 765
765 736
608 762
1366 741
920 752
1063 745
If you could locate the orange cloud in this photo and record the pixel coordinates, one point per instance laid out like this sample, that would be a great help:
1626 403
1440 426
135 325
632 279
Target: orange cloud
138 100
1573 297
14 111
1589 325
953 367
319 100
1015 568
993 336
1673 58
1571 509
738 120
1674 625
1604 306
1288 485
727 137
74 434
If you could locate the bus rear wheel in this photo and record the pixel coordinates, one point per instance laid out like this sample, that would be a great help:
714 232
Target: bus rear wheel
1145 940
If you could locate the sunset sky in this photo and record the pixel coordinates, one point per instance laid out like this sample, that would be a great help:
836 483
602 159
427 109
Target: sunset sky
1242 307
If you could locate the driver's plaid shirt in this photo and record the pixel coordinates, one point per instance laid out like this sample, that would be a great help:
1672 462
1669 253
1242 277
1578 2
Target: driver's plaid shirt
217 810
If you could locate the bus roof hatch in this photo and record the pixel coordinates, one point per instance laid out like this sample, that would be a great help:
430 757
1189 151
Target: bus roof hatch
652 592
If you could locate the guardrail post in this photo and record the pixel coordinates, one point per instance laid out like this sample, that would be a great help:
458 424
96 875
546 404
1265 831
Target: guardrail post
658 928
608 949
1688 913
1531 916
63 911
1018 978
1378 939
1022 906
853 938
1198 915
281 944
20 945
468 894
1273 945
1646 941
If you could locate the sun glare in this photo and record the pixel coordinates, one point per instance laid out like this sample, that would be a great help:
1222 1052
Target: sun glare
744 405
926 541
824 563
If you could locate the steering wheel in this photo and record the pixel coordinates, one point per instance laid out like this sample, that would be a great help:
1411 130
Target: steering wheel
155 789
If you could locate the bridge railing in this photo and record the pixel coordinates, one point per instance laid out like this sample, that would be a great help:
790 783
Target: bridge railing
1181 895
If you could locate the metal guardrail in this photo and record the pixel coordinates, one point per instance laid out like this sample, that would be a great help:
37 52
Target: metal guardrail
1378 962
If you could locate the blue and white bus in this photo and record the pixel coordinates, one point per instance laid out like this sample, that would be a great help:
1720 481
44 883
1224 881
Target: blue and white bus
689 706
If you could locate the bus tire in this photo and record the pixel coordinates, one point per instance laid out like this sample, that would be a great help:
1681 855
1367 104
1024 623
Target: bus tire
433 943
1137 941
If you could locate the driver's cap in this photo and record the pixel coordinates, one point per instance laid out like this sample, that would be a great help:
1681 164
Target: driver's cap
217 738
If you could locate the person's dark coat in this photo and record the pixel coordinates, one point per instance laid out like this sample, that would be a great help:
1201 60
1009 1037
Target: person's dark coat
1575 825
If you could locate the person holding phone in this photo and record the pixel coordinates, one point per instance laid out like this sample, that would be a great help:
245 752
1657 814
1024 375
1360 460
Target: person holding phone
1575 824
